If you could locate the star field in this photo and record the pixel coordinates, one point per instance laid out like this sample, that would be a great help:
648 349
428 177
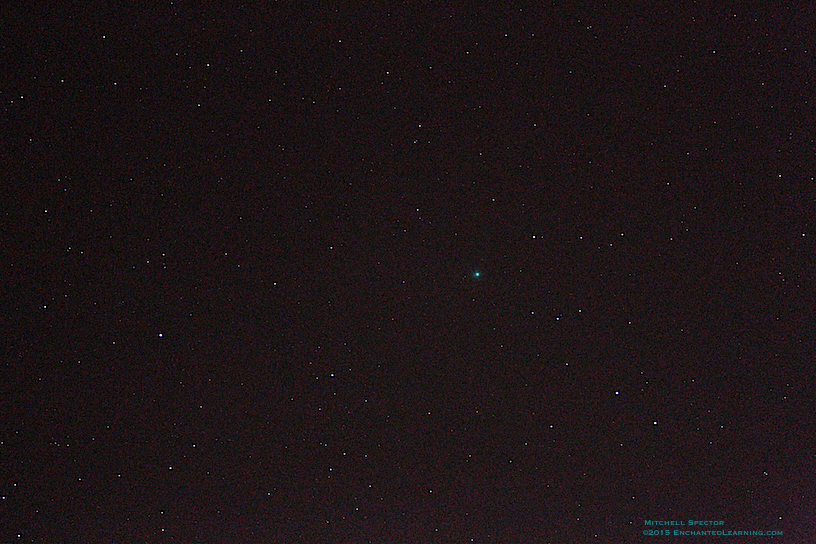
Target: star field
341 274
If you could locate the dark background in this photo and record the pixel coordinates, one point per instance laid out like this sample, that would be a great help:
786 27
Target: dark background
240 247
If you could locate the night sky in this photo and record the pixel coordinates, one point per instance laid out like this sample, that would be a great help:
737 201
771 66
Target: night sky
406 273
